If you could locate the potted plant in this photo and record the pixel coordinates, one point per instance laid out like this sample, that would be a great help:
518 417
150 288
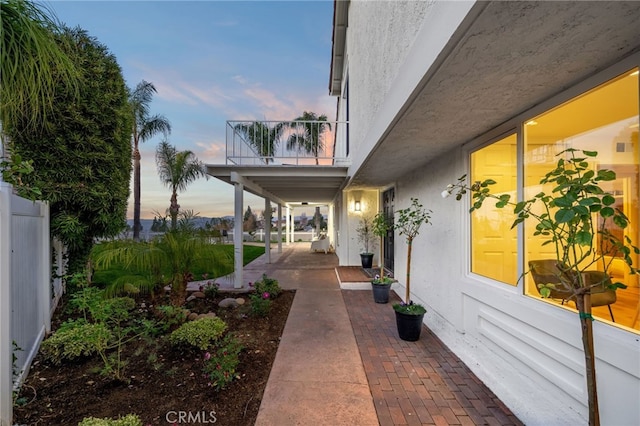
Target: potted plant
366 237
409 315
576 220
381 285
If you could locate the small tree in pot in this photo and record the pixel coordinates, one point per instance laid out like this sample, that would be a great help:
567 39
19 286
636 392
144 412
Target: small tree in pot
366 237
381 285
409 315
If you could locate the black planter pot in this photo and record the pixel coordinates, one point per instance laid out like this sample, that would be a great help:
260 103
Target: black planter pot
380 292
409 326
367 260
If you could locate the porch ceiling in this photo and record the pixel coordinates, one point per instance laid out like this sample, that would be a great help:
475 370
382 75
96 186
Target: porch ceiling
505 58
286 184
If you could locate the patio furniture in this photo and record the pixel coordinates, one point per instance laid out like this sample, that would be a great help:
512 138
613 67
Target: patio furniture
320 244
547 272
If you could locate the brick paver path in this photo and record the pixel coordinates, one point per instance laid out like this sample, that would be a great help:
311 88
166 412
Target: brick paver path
417 383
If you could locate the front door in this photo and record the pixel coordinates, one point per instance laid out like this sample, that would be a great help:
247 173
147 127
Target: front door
388 198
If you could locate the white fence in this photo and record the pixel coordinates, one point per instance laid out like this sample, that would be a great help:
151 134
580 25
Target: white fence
27 294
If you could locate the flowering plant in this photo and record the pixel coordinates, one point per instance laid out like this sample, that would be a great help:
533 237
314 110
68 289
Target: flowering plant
576 218
409 308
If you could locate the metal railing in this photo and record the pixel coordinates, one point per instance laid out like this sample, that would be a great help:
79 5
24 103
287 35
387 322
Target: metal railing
286 142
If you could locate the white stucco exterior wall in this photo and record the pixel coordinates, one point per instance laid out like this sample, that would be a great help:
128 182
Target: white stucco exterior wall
377 29
527 351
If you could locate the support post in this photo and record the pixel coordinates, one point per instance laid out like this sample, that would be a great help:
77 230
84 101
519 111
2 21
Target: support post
279 228
267 229
238 234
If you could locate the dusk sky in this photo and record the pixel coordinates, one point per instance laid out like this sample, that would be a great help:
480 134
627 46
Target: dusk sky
213 61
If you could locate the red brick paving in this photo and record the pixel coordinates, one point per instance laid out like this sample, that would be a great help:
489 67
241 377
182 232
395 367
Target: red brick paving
417 383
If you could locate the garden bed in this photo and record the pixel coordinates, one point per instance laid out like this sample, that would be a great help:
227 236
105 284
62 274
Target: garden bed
162 381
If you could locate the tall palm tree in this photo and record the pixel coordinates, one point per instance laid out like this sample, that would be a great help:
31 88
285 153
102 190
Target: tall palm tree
32 62
262 137
307 136
145 126
177 169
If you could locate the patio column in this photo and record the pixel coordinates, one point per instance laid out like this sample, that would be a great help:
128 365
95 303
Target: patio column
267 229
238 234
288 224
279 228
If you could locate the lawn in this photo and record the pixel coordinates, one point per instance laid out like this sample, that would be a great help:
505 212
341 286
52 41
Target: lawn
102 277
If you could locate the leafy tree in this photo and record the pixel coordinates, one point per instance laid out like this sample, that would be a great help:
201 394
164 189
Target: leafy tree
33 63
144 127
250 221
307 136
262 137
82 155
177 169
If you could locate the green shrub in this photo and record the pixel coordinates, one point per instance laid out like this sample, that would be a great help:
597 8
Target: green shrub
211 290
220 363
268 285
128 420
75 339
201 333
260 304
171 316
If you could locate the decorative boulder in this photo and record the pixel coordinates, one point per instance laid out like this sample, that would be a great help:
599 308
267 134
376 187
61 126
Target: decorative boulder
229 302
240 301
199 295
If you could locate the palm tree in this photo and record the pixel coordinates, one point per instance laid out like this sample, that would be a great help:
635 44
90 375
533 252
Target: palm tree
307 135
144 128
168 260
32 62
177 169
262 137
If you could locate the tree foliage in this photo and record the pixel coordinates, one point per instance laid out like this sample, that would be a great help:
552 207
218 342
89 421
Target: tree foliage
307 134
32 64
82 157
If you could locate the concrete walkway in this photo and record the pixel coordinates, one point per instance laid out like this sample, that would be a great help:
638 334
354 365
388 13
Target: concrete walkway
340 361
317 377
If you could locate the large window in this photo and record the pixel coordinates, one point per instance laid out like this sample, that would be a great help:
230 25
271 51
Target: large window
605 120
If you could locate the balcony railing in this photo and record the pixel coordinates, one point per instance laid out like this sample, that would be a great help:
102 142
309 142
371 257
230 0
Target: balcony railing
286 142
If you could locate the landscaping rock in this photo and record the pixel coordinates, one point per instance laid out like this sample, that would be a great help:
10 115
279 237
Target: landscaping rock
210 315
190 298
192 316
199 295
240 301
229 302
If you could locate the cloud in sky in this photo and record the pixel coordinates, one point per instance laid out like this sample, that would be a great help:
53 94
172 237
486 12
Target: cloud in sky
213 61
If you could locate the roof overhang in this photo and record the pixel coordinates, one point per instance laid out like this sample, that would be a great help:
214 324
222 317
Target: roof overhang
340 21
502 60
292 185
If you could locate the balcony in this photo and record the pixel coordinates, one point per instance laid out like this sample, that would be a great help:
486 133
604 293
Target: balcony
286 143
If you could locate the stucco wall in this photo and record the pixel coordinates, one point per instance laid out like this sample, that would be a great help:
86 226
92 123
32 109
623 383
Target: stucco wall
382 32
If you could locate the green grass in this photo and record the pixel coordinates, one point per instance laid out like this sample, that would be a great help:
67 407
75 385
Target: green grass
106 276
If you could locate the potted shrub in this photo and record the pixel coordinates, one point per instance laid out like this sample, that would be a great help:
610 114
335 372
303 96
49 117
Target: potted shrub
366 238
381 285
576 220
409 315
